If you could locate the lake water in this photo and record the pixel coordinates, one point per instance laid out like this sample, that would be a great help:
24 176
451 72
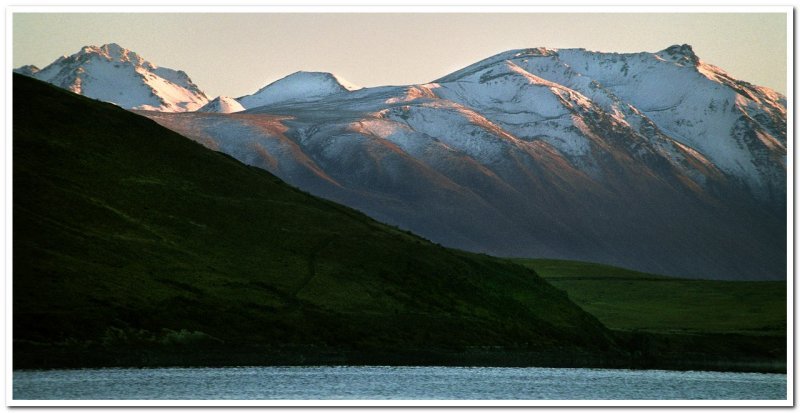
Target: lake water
402 383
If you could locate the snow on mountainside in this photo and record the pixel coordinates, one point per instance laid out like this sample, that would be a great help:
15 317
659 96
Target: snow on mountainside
117 75
299 86
654 161
671 98
222 104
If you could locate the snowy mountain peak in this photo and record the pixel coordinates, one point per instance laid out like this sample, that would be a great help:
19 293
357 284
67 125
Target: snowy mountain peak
321 77
298 87
536 51
681 54
118 75
113 52
222 104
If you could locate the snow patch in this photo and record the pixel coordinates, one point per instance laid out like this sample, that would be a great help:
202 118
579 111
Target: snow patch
297 87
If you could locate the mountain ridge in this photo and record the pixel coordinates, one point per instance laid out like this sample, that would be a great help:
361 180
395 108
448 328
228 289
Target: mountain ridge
560 153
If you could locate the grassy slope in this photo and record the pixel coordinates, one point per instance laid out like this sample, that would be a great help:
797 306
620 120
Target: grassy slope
129 235
629 300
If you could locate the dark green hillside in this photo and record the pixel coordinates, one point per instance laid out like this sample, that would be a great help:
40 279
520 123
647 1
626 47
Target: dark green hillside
134 245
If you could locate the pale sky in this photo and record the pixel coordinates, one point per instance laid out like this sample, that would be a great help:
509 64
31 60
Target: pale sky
236 54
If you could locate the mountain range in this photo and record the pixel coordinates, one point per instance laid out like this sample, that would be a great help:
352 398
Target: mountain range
659 162
136 246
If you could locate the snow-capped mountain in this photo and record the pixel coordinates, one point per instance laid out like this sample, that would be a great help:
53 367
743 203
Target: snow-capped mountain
298 87
671 98
117 75
222 104
654 161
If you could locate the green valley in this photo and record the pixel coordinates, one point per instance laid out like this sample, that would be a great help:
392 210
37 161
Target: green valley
629 300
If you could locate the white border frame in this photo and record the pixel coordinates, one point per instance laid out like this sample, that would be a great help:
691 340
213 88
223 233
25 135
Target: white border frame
361 6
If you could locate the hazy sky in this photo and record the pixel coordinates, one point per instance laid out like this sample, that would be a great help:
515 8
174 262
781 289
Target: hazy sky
236 54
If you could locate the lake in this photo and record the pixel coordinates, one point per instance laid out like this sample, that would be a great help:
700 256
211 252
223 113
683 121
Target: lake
400 383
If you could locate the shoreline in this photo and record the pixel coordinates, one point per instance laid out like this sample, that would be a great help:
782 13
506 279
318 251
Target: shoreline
55 358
